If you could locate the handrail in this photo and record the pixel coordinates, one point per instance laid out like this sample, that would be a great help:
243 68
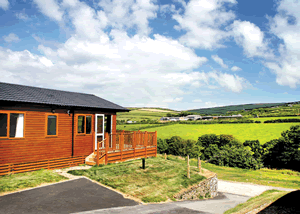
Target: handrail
98 148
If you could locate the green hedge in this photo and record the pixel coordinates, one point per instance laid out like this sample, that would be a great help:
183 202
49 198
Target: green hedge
292 120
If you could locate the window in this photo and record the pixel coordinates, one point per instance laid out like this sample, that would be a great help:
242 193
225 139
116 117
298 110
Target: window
88 124
3 125
51 125
12 125
107 123
84 125
81 121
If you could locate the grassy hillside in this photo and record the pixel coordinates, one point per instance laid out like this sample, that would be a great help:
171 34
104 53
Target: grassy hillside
139 114
257 131
251 109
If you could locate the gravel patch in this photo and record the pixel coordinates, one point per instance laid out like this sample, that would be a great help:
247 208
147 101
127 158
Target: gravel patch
245 189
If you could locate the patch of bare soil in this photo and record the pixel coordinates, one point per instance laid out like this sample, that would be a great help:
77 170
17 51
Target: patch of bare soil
155 110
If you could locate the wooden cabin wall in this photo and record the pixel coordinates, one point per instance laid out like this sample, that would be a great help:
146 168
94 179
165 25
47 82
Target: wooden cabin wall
84 143
35 146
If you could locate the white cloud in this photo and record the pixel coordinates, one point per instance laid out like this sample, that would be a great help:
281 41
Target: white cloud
220 61
173 100
127 69
50 8
203 20
230 82
197 101
235 68
4 4
11 38
130 14
251 38
286 26
22 16
210 104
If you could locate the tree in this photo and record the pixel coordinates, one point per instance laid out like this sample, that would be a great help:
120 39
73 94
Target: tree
285 151
255 147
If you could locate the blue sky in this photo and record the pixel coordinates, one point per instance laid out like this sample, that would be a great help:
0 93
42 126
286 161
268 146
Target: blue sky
167 53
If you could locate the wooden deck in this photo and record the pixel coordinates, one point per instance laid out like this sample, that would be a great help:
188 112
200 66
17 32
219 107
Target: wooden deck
124 145
118 147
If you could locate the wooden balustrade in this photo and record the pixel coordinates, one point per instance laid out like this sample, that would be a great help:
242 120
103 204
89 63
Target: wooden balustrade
124 145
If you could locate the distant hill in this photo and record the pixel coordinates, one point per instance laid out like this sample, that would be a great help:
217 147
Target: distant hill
235 108
154 108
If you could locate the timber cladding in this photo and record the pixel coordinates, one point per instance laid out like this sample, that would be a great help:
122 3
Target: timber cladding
36 145
45 164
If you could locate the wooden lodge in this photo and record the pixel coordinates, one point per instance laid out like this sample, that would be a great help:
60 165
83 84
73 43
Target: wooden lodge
45 128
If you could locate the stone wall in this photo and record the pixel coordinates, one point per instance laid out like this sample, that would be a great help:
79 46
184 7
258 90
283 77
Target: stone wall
205 189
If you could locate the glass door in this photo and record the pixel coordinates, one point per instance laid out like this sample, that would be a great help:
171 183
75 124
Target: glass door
99 130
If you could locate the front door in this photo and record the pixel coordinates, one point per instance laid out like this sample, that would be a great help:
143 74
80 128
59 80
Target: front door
99 130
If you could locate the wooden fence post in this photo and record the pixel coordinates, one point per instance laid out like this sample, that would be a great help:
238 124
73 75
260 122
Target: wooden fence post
146 142
188 166
165 156
199 164
106 146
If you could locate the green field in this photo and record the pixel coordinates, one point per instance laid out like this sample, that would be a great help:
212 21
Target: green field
257 131
138 115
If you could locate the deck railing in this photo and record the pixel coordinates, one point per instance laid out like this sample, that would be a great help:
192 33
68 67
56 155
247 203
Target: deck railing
135 144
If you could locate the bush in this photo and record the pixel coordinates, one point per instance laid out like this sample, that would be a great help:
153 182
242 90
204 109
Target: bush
225 150
255 147
285 151
292 120
162 146
235 156
178 146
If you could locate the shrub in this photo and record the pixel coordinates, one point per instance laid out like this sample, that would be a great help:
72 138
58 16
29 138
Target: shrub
234 156
178 146
255 147
285 151
162 146
292 120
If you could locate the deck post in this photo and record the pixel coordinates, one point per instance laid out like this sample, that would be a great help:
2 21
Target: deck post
121 144
139 137
146 142
114 141
97 156
106 146
155 143
134 143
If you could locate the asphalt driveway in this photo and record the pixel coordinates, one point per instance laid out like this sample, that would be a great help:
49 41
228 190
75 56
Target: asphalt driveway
66 197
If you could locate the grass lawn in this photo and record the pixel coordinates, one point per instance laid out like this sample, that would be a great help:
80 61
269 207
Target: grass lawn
268 177
158 182
265 198
262 132
25 180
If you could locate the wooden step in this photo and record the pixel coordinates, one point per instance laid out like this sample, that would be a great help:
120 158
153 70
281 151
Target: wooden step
91 159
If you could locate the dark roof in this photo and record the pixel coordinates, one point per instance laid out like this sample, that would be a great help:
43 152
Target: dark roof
29 94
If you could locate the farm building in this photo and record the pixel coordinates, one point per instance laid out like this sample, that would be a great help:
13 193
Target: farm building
45 128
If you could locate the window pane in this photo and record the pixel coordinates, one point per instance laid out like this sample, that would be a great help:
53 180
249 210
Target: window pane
3 125
51 125
88 124
16 125
99 124
80 124
107 124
